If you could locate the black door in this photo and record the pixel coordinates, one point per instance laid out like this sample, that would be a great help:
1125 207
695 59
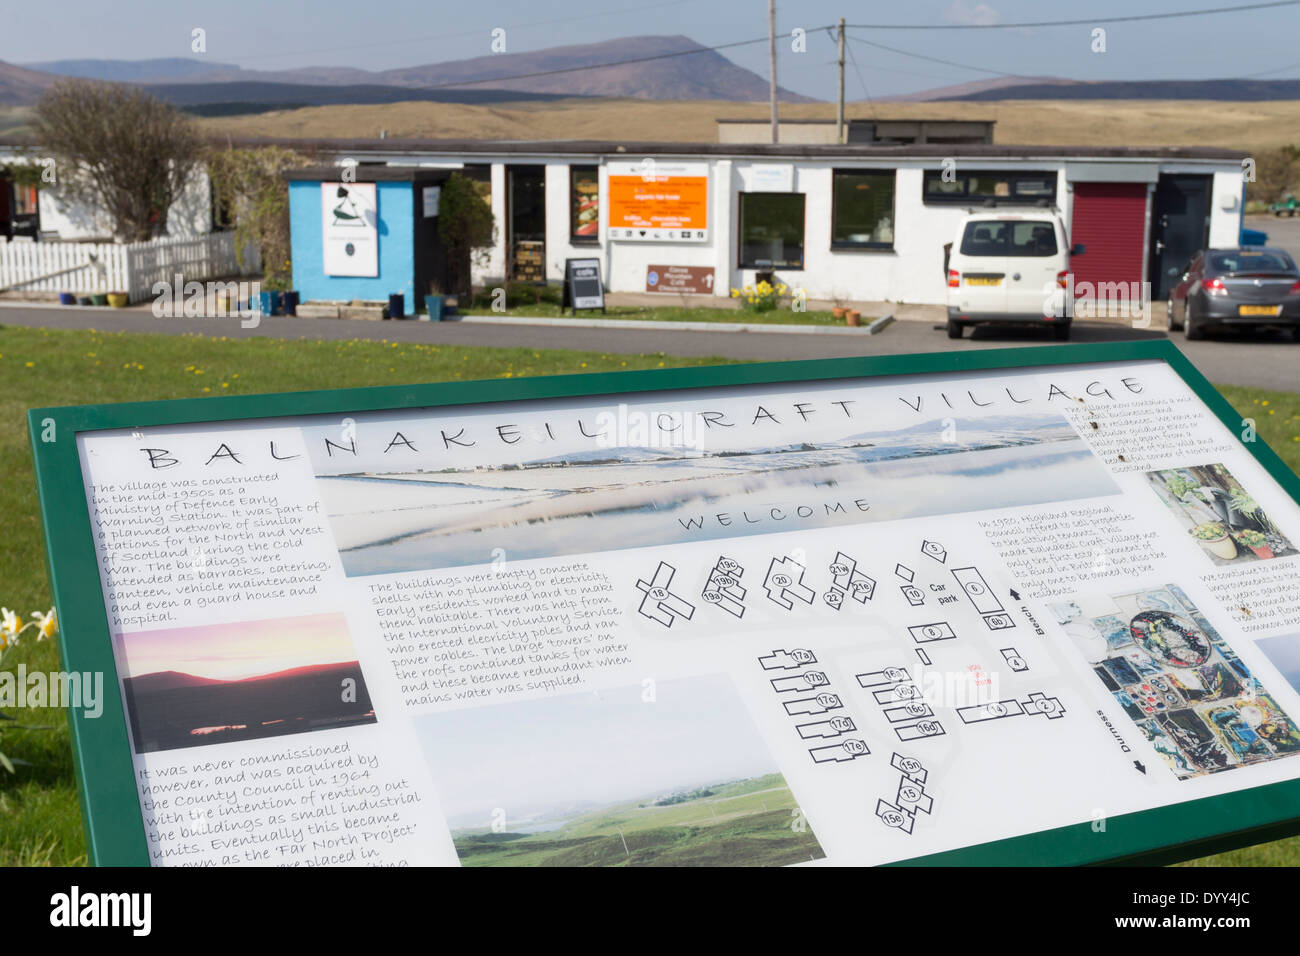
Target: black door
1180 224
526 215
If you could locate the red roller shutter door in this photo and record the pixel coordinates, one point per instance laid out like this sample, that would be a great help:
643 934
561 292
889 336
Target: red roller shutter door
1110 219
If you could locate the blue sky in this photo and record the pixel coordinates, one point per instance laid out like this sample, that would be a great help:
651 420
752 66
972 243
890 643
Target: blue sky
395 33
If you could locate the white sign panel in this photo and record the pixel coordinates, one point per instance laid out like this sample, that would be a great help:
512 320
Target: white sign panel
349 229
431 196
771 178
850 621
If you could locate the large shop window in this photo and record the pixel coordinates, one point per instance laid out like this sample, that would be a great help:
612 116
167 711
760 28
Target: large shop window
584 204
771 230
984 185
862 210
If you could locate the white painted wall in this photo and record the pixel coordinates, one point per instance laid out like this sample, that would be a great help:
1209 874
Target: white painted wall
189 216
558 238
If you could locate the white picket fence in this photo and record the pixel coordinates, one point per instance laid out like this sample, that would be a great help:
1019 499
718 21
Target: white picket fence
132 268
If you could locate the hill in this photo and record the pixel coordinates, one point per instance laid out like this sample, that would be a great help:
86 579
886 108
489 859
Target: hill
660 68
1251 126
1223 91
20 86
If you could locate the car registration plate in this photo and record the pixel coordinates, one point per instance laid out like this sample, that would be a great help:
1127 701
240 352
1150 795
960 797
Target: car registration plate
983 280
1259 310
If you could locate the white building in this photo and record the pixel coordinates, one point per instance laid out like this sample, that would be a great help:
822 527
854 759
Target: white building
853 222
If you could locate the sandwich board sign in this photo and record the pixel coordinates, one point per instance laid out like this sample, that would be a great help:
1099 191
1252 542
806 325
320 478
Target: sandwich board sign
582 286
916 609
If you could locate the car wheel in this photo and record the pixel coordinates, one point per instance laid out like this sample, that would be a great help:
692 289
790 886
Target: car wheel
1170 324
955 329
1192 328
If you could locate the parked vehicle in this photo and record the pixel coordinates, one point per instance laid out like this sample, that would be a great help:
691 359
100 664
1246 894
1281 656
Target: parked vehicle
1010 268
1229 287
1286 207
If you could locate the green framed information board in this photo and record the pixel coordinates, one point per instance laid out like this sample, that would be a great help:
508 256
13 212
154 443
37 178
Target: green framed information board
1025 606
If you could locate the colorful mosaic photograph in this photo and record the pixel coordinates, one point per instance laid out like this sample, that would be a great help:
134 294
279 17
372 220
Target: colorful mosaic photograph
1178 680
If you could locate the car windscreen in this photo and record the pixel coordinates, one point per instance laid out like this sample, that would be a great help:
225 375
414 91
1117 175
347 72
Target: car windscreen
1003 237
1228 263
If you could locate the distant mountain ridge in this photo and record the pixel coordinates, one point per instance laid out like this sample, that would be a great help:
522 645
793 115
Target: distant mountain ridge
1225 90
669 68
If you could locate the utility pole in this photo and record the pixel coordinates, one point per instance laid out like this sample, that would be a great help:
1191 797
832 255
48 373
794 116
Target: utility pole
839 104
771 61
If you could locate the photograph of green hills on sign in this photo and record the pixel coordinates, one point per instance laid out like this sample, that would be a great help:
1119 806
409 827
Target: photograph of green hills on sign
673 774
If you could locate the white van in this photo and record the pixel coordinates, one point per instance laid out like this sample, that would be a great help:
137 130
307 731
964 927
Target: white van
1010 267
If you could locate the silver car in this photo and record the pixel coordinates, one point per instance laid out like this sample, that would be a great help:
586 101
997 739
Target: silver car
1226 287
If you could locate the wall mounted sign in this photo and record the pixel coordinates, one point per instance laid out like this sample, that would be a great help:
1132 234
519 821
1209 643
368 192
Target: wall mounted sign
349 229
430 197
771 178
653 201
930 608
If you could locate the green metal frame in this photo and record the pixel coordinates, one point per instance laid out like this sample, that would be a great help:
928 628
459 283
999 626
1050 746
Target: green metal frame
111 812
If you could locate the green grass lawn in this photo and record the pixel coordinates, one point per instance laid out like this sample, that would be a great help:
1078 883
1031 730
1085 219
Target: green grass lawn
40 821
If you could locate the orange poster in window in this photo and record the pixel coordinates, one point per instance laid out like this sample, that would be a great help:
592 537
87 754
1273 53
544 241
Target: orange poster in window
659 205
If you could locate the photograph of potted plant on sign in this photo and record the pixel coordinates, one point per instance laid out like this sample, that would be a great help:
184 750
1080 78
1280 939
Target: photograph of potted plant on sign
1223 517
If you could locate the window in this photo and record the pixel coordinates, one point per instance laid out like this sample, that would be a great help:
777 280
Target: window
584 204
1006 237
771 230
983 185
26 201
862 209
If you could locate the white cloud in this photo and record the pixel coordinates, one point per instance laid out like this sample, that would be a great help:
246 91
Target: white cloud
980 14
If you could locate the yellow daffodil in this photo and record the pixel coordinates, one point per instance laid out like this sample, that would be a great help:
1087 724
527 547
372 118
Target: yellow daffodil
47 624
10 627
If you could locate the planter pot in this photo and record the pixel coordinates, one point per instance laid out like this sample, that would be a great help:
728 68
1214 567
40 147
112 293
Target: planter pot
852 317
272 302
397 305
1223 547
98 298
67 298
118 300
291 303
839 312
433 304
84 300
1263 551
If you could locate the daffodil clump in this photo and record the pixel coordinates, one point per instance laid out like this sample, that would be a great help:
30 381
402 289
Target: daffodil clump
11 628
763 297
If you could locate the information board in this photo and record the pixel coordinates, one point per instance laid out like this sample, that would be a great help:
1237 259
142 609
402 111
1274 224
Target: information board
582 286
1036 605
652 201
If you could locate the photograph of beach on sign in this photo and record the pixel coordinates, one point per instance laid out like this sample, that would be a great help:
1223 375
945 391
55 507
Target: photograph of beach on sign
672 773
587 500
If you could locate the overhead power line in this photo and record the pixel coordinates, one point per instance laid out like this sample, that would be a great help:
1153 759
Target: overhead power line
1087 21
935 59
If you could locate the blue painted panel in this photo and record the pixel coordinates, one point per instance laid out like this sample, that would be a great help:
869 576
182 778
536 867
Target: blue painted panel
396 202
